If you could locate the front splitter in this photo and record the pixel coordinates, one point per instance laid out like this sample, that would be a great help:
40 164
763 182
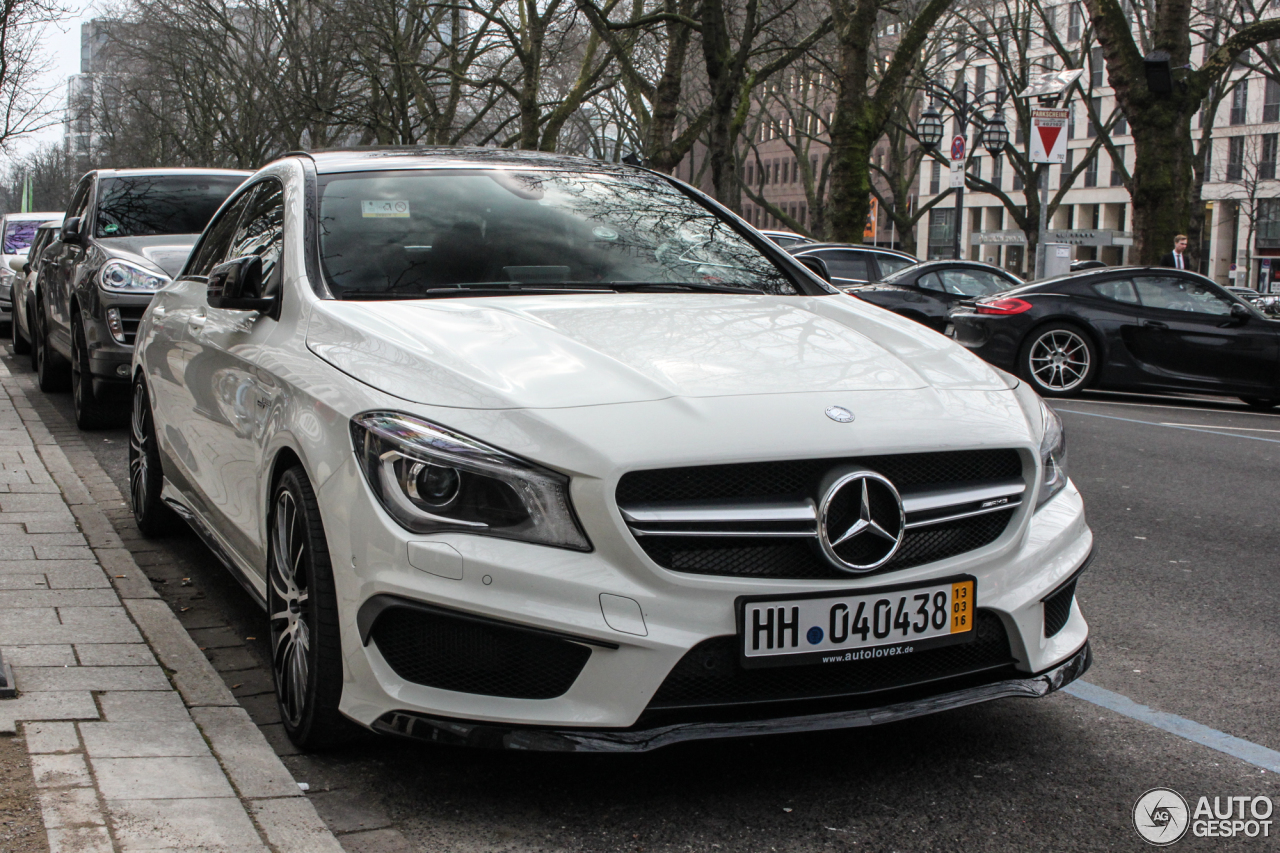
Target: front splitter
502 736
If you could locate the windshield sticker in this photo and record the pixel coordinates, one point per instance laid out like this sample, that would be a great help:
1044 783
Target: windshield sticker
110 228
604 232
394 209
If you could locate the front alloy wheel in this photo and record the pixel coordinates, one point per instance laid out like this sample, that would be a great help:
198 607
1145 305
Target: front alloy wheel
91 413
306 659
153 516
1059 361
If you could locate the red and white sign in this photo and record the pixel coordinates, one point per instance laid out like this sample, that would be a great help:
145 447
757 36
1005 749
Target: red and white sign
957 149
1049 135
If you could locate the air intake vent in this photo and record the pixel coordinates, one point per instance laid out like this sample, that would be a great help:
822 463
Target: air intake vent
1057 608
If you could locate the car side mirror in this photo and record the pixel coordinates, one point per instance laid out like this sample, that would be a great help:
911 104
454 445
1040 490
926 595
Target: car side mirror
818 267
1239 312
237 285
71 231
18 264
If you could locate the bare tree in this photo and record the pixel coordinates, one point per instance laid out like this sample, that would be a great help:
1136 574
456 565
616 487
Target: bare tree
25 106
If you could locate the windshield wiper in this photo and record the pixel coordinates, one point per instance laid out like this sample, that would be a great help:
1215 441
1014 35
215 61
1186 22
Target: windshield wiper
680 285
517 288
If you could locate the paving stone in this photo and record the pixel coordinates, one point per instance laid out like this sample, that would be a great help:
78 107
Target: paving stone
80 839
292 826
39 655
61 552
377 841
195 679
115 654
78 579
18 504
263 709
142 707
90 678
142 740
229 659
253 766
40 539
69 807
17 552
249 682
25 567
76 705
69 625
51 737
159 778
344 812
23 582
274 733
199 824
60 771
22 598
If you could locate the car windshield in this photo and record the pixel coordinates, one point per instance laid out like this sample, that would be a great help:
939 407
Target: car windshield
18 236
444 232
147 205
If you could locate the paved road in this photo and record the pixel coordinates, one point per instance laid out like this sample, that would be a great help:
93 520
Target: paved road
1184 498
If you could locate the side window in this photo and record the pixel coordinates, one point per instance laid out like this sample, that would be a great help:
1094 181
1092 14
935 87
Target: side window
966 283
992 282
890 264
1180 294
261 231
1121 290
211 249
845 264
80 201
930 281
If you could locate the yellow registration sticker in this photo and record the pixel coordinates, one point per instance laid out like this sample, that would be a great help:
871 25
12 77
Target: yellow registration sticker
962 607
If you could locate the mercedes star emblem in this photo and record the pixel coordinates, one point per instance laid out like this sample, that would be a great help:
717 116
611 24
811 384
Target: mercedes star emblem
840 414
861 521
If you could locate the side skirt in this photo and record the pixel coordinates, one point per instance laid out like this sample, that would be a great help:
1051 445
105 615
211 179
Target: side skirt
253 584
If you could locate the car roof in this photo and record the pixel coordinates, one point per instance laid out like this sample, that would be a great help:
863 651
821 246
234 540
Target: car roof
38 216
148 173
942 262
446 157
808 247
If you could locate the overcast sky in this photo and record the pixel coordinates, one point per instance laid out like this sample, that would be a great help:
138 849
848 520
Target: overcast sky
61 44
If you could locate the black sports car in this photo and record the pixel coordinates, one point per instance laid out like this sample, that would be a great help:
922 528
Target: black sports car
927 291
1131 328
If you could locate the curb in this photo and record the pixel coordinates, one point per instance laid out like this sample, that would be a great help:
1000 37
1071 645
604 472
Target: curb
286 820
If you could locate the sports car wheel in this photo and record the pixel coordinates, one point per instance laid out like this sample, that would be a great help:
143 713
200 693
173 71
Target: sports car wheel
52 373
306 654
21 346
91 413
1262 404
153 517
1058 360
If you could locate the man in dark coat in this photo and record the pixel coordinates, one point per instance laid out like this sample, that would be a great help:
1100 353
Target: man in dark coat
1178 257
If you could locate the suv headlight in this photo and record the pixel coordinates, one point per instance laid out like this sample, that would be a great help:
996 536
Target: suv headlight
1053 455
124 277
431 479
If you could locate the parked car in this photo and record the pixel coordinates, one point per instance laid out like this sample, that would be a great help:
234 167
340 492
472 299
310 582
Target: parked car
1132 328
125 233
786 239
847 264
538 452
16 233
1087 264
926 292
24 286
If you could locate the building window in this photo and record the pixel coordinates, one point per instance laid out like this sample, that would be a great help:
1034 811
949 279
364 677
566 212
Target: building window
1074 17
980 79
1240 102
1117 166
1091 172
1268 223
1121 127
1095 109
1017 180
1271 101
935 179
1235 158
1071 121
1267 162
1064 177
997 172
1096 67
941 231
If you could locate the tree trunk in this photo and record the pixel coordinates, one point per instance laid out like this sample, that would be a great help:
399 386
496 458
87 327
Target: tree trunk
1162 180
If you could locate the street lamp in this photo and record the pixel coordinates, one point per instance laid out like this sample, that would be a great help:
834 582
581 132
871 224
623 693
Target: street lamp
994 134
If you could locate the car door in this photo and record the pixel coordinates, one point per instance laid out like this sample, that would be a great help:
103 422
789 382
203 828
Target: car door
1186 337
235 396
59 269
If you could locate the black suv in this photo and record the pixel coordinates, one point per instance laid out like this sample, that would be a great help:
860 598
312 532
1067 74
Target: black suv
126 233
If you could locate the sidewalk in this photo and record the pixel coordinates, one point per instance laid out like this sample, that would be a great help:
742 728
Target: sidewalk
136 743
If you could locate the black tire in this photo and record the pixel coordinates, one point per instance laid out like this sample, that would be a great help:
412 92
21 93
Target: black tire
153 516
53 373
1058 360
21 345
34 331
306 650
1261 404
91 413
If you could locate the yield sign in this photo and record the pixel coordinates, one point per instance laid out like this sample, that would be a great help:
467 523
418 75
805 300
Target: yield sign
1048 140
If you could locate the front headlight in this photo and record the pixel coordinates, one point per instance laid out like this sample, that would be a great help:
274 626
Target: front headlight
1053 455
124 277
431 479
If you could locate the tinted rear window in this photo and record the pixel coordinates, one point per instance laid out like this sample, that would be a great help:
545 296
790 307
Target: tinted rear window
145 205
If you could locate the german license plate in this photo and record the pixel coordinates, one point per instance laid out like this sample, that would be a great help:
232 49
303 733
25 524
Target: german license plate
856 626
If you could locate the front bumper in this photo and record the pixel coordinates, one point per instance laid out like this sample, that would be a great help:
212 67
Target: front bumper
488 735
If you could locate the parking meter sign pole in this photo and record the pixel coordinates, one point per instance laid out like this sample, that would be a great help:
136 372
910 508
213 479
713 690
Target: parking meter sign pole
957 165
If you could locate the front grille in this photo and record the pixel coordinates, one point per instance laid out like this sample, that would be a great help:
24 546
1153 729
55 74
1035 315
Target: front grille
709 675
455 652
1057 608
130 317
801 557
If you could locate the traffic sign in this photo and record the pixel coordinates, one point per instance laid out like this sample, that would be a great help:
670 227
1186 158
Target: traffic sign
957 149
1048 135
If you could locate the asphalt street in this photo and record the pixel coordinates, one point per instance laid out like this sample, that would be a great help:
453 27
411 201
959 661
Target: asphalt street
1183 496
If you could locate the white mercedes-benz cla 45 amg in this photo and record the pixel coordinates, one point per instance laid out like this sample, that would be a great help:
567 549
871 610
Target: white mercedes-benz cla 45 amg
537 452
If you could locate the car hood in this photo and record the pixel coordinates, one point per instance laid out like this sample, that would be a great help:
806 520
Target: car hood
166 252
597 349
